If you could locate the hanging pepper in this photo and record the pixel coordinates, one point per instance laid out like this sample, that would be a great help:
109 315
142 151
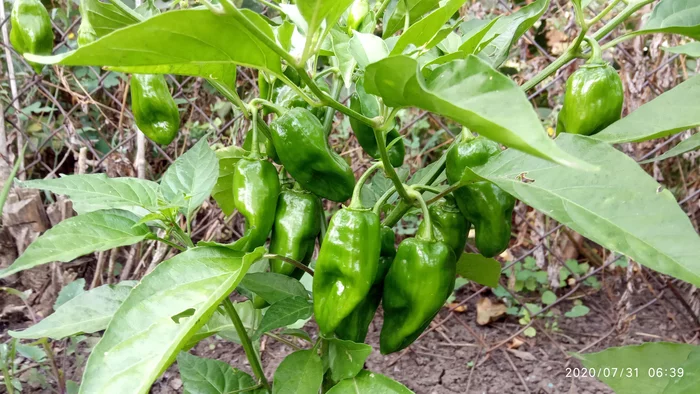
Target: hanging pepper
256 188
347 263
358 12
31 30
420 279
449 225
355 326
302 147
155 111
297 224
484 204
593 98
367 105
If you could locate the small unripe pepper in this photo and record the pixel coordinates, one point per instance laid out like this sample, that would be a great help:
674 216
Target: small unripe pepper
31 29
155 111
449 225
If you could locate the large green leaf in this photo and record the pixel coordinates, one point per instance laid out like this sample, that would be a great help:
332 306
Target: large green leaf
687 145
93 232
675 16
473 94
160 314
160 45
299 373
189 181
509 29
87 312
206 376
284 313
369 382
105 17
273 287
628 367
346 358
424 30
687 381
691 49
394 18
483 270
670 113
93 192
620 207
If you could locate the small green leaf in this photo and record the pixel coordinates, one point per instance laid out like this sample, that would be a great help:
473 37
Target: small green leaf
369 382
316 12
530 332
189 181
691 49
88 312
684 146
284 313
577 311
672 112
367 49
299 373
633 364
472 93
549 298
675 16
424 30
34 353
346 63
77 236
93 192
346 358
480 269
70 291
273 287
394 19
206 376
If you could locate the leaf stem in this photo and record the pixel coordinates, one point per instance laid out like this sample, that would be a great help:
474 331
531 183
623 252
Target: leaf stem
426 233
444 193
247 344
280 339
383 199
290 261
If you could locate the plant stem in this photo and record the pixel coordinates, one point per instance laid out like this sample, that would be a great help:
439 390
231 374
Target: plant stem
388 168
602 14
8 183
620 39
290 261
52 361
280 339
6 373
444 193
245 390
383 199
619 18
247 344
184 238
356 201
330 112
426 233
382 8
169 243
431 189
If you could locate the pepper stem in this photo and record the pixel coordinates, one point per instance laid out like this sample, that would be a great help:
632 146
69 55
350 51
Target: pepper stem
596 52
255 148
356 201
426 233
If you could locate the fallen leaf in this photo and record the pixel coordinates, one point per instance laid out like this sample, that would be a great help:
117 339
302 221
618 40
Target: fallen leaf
523 355
486 311
517 342
457 308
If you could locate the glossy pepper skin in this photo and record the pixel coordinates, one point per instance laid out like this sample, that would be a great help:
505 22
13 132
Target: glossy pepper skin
346 267
302 147
593 100
31 30
355 326
256 188
297 224
264 145
367 105
449 225
484 204
420 279
155 111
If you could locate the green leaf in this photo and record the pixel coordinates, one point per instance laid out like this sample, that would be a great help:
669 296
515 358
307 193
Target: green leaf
86 313
189 181
675 16
299 373
93 192
509 29
471 93
549 298
273 287
640 358
346 63
577 311
480 269
672 112
691 49
284 313
619 207
93 232
105 17
367 49
160 45
688 381
143 338
475 31
206 376
369 382
394 21
223 189
220 324
70 291
346 358
684 146
424 30
316 12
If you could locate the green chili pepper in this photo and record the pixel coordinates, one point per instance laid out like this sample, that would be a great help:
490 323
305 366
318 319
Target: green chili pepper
449 225
302 148
31 29
155 111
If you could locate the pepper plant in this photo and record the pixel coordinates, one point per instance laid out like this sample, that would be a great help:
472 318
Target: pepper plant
386 55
